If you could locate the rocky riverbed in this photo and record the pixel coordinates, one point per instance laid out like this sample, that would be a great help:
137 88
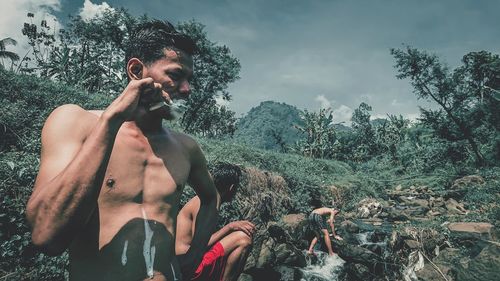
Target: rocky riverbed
384 240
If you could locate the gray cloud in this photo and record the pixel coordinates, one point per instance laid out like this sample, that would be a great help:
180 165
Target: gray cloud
294 51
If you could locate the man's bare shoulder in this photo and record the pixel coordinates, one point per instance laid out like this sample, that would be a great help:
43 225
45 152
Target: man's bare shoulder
69 118
189 144
72 111
323 211
185 139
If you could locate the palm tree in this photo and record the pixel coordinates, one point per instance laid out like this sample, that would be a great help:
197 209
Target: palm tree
7 54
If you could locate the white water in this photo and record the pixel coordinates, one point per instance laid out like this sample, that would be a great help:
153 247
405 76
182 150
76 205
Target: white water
148 251
326 268
363 239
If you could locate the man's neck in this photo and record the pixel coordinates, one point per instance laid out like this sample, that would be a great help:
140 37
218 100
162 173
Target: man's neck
149 124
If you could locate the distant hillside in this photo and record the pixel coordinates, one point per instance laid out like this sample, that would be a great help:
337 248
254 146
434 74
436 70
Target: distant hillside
378 122
268 124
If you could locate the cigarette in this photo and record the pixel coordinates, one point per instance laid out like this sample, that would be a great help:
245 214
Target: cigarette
157 105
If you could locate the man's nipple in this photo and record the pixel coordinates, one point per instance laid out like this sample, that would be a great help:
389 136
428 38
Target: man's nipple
110 182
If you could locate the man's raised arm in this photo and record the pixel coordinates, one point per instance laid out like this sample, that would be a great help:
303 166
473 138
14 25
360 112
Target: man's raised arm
73 162
76 146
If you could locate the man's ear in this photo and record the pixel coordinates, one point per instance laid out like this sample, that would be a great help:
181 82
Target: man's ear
135 69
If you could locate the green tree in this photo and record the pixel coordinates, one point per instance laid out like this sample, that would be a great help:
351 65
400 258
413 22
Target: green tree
364 145
4 54
391 134
89 55
468 108
319 132
215 68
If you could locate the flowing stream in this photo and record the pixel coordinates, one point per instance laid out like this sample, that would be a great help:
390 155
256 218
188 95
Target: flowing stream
322 267
328 268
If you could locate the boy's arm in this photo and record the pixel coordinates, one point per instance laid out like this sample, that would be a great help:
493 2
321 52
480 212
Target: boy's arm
331 219
247 227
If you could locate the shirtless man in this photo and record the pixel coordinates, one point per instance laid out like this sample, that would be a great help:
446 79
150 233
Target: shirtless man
318 225
230 245
110 181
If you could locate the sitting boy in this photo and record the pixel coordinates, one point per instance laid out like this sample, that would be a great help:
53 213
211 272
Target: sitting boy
228 247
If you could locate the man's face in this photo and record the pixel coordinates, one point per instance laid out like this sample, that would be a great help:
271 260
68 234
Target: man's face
173 72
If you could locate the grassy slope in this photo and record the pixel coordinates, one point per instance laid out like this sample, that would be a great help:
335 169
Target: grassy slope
26 102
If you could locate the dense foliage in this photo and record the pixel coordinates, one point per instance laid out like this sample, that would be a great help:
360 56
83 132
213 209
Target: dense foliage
468 117
89 54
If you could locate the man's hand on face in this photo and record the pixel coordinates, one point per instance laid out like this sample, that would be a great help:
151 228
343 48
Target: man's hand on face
247 227
127 106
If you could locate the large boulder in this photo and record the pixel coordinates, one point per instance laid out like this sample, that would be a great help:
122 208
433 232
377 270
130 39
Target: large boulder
287 254
369 208
444 263
356 271
472 230
455 208
410 239
266 255
484 267
349 226
295 225
397 214
245 277
274 248
467 181
355 254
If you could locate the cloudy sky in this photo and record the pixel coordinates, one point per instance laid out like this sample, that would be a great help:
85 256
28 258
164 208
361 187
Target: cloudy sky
315 53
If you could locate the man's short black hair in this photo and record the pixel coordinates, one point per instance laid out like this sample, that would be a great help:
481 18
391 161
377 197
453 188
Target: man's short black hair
224 175
150 38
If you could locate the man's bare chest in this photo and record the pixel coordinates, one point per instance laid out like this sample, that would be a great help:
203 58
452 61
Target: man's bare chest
143 170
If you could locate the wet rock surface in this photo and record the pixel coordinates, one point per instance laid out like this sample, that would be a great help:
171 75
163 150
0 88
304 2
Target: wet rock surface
380 243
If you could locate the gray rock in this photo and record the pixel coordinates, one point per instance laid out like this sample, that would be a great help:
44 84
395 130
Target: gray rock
356 271
483 267
369 208
445 263
349 226
355 254
245 277
288 273
411 244
295 225
455 208
472 230
467 181
266 255
286 254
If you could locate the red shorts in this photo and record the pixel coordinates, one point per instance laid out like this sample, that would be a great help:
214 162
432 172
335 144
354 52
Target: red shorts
213 264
